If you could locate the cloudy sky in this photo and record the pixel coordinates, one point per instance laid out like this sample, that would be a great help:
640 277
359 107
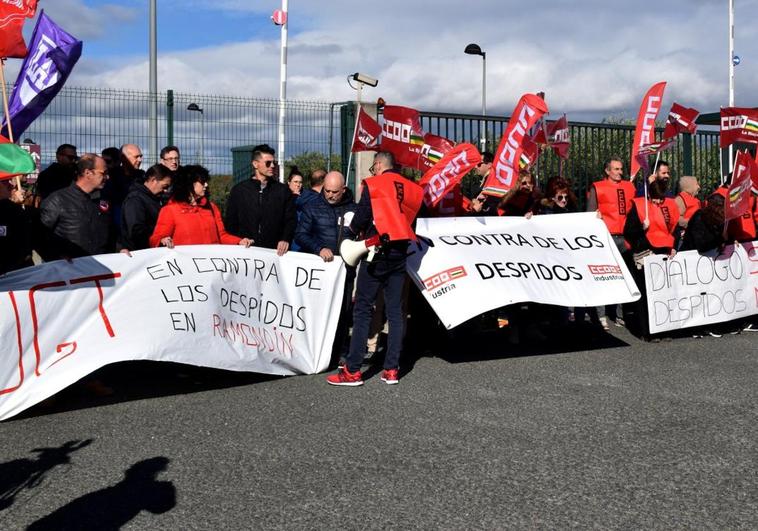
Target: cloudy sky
593 58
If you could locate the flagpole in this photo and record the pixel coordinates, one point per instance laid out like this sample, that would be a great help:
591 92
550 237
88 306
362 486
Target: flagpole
731 71
7 113
352 142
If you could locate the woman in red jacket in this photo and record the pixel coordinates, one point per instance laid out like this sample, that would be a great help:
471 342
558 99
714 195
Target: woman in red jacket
190 218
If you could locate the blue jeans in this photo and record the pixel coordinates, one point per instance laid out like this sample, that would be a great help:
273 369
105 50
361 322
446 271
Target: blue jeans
388 275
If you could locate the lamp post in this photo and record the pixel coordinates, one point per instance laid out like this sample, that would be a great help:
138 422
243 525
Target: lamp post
197 108
475 49
153 81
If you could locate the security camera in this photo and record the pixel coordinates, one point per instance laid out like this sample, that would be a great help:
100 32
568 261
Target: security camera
366 80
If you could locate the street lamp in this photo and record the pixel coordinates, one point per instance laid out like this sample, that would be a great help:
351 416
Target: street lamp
196 107
475 49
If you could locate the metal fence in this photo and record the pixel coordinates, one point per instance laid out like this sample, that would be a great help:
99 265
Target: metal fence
591 145
93 119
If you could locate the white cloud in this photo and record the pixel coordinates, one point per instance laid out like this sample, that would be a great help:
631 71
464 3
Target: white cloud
590 56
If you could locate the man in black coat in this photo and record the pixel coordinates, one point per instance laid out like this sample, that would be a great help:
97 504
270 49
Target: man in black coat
74 223
262 208
140 209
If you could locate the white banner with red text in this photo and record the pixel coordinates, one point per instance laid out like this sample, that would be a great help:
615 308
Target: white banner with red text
219 306
467 266
691 289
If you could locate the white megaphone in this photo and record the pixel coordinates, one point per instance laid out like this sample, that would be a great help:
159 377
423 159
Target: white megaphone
352 251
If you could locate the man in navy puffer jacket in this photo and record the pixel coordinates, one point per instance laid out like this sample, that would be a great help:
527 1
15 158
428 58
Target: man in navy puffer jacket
322 227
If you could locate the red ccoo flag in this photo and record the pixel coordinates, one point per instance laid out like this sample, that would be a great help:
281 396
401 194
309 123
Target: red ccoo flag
367 133
435 147
738 195
681 120
528 111
448 172
402 134
738 124
644 133
12 16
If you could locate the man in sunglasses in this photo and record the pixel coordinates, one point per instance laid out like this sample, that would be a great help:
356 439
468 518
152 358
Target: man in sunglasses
261 208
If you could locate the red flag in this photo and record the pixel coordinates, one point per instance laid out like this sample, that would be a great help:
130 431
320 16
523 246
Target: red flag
402 134
528 111
681 120
395 201
738 124
434 148
652 149
448 172
367 133
558 137
738 195
644 133
12 17
530 152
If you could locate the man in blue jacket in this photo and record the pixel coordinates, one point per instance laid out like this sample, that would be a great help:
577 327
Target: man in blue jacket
321 229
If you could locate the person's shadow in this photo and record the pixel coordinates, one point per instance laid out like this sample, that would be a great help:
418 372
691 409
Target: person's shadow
21 474
113 507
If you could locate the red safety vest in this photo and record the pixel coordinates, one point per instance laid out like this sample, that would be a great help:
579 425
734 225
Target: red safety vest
691 204
395 201
663 219
614 201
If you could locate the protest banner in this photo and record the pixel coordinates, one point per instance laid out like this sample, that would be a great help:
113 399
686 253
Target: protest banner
695 290
219 306
467 266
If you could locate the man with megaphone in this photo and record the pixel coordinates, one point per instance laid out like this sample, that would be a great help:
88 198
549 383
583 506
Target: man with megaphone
387 209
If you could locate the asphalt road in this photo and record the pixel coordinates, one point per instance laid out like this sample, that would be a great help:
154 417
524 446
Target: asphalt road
607 433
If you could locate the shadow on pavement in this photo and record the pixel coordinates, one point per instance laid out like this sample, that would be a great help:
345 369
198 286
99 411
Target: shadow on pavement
138 380
113 507
26 474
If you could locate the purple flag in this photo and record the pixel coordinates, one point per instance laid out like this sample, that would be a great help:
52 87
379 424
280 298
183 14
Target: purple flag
52 55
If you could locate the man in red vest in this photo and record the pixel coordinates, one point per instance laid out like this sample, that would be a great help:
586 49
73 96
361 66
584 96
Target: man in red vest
612 198
386 211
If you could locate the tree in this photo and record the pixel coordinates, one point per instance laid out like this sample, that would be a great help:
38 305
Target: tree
310 161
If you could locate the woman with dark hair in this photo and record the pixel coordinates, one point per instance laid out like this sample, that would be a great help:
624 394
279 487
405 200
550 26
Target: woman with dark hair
559 199
521 198
295 181
705 229
190 218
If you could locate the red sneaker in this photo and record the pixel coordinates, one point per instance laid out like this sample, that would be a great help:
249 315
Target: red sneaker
345 377
389 376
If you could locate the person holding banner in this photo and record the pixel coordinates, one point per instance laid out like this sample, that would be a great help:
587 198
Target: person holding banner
261 208
612 198
190 218
139 212
649 229
385 213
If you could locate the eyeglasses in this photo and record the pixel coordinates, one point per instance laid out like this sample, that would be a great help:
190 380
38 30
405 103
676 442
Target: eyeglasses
270 163
561 197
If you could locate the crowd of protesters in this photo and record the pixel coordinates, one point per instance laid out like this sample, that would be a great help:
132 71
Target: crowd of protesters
95 204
